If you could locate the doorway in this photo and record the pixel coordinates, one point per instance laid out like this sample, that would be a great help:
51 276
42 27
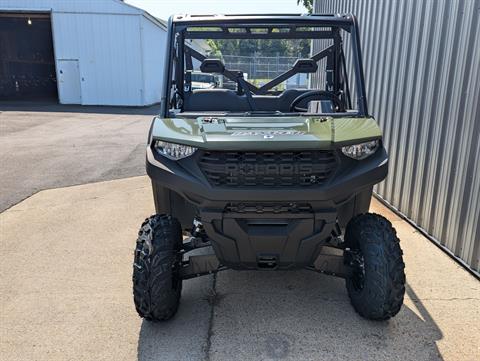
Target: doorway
27 61
69 81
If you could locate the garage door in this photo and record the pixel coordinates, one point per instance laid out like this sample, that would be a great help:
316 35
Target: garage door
27 63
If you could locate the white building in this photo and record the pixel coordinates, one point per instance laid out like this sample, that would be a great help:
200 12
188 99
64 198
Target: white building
91 52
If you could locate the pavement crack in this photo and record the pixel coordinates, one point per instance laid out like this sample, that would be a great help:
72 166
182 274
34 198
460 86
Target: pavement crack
213 299
446 299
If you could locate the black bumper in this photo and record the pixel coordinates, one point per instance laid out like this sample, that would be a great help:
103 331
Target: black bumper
262 236
185 178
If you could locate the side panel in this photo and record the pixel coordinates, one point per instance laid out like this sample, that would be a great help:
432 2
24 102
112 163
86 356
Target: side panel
169 202
357 205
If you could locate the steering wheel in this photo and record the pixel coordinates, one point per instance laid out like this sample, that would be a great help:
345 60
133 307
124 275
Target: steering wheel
307 97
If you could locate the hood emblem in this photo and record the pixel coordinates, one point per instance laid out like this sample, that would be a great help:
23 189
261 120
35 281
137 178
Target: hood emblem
267 134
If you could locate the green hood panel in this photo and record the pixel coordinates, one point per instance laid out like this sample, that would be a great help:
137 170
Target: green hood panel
265 133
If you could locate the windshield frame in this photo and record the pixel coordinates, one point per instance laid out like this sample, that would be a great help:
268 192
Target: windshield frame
178 31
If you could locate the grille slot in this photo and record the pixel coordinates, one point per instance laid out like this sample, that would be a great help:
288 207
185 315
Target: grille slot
268 169
268 208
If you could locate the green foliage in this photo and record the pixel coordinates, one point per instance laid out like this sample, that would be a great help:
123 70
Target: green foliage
264 47
261 47
214 48
308 4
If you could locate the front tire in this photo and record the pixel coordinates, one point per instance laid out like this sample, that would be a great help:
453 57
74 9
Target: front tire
376 286
156 282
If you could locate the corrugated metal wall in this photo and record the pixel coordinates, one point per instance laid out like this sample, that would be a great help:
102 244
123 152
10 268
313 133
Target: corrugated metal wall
422 73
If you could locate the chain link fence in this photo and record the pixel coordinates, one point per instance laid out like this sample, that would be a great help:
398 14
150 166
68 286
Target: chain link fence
264 68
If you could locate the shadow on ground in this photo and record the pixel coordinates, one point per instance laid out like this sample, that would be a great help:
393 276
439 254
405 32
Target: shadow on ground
53 106
291 316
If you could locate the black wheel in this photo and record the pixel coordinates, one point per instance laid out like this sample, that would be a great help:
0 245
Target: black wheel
376 285
156 282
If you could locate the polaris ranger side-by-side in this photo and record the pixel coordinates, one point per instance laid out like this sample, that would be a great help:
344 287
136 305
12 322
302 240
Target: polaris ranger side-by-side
272 177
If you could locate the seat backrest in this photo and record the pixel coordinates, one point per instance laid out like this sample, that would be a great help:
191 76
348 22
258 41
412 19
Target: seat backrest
229 100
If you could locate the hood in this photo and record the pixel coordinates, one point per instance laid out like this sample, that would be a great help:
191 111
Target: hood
265 133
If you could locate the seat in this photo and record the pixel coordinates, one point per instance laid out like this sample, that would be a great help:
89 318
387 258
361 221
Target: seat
229 100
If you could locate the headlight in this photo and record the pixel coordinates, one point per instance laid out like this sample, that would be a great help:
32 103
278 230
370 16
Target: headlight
362 150
174 151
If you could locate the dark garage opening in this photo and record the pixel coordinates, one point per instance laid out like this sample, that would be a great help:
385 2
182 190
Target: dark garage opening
27 62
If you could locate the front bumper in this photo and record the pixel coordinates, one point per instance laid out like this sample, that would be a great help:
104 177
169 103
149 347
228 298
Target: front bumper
252 228
185 178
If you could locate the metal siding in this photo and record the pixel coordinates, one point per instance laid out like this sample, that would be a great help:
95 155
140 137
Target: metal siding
154 41
105 36
422 73
77 6
111 75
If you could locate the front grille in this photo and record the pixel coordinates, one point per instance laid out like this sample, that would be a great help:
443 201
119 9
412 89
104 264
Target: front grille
268 208
268 169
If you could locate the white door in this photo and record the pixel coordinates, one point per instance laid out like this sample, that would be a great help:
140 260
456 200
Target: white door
69 89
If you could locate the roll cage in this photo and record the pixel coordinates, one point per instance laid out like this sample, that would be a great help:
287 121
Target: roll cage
177 75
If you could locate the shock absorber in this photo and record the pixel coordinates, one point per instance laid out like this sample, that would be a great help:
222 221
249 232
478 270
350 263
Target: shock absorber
198 237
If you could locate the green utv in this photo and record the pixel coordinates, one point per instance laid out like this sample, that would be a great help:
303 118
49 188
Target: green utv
273 173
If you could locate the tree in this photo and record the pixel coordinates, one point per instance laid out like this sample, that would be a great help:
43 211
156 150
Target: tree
308 4
260 47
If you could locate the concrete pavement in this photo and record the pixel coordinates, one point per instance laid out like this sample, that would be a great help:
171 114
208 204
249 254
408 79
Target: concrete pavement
65 294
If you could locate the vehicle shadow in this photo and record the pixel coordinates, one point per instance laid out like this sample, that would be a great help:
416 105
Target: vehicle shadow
289 316
53 106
